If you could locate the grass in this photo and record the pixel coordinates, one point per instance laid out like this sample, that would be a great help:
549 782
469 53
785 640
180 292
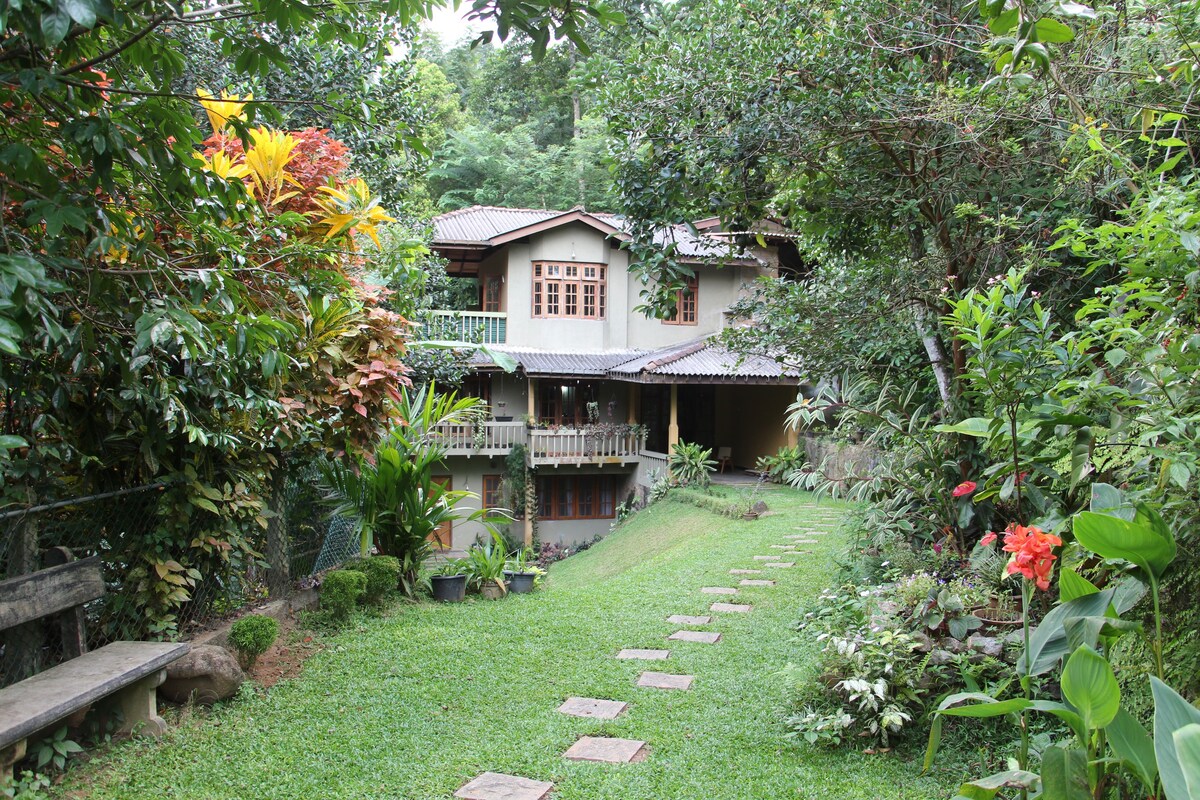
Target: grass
414 704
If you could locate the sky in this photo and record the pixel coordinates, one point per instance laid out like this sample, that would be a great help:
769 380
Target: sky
452 25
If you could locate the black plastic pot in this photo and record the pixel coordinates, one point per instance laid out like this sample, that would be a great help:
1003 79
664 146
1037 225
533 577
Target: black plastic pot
449 588
520 582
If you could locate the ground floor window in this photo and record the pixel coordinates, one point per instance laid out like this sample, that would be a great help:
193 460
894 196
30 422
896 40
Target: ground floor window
577 497
492 491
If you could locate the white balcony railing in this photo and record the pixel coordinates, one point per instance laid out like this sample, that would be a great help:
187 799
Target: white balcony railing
496 438
486 327
583 446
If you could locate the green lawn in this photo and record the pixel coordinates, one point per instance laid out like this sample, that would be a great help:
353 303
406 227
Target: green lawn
415 704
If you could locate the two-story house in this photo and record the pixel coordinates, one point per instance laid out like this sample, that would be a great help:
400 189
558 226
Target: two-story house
602 392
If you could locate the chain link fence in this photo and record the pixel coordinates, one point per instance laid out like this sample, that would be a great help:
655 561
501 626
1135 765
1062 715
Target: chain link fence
119 527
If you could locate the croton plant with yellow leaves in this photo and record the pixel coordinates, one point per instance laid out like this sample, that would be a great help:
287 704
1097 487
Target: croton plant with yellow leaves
300 171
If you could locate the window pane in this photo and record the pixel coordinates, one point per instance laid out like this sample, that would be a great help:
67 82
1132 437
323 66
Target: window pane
553 271
606 497
571 300
587 492
552 298
589 299
566 497
603 300
537 298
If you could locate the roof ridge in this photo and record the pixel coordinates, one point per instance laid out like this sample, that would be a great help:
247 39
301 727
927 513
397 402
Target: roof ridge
686 349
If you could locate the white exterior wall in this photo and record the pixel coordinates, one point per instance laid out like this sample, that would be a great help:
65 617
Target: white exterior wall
622 328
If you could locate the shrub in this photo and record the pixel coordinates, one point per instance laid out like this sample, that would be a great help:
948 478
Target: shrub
780 467
710 502
691 465
340 591
383 574
251 636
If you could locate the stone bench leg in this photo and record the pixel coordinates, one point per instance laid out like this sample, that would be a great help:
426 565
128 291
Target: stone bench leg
139 706
8 756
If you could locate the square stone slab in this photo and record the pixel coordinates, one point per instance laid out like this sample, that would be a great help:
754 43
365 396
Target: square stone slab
684 619
588 707
701 637
494 786
644 655
806 541
602 748
767 558
718 590
782 564
784 546
736 608
758 583
665 680
745 572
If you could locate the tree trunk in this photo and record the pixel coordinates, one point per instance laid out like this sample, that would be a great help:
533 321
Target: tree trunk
22 643
937 355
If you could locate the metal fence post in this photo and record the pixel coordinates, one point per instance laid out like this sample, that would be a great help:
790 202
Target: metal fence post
279 580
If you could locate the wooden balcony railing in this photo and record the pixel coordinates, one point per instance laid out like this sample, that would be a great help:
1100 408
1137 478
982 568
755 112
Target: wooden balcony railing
583 446
486 327
496 439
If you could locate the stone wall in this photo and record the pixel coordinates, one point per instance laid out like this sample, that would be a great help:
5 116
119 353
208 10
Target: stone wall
844 458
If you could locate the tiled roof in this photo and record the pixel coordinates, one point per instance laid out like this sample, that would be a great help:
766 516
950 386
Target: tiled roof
702 358
479 225
545 363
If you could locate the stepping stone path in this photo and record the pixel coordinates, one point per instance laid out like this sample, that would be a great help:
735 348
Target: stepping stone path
718 590
757 583
781 564
806 541
684 619
745 572
588 707
644 655
700 637
665 680
784 546
494 786
602 748
735 608
767 558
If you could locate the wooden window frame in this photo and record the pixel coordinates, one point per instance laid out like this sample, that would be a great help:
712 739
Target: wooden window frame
560 290
491 495
687 304
493 293
602 489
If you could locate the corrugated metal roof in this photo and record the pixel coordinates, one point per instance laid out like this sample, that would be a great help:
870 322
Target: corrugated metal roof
702 358
544 362
481 224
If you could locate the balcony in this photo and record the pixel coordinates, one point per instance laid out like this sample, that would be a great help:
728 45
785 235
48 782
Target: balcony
486 327
496 438
578 446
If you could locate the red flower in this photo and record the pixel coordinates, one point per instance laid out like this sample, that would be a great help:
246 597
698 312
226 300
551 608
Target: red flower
987 539
964 488
1031 553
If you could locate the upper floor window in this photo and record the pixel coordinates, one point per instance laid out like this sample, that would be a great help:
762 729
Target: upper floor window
577 291
493 289
685 304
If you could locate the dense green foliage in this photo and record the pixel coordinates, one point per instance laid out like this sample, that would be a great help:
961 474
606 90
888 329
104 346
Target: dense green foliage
383 575
253 635
341 591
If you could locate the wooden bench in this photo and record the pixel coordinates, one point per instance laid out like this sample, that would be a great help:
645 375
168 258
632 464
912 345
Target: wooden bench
130 670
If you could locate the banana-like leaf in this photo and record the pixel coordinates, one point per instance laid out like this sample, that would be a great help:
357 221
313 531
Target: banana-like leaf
1065 774
1089 685
1171 714
1132 744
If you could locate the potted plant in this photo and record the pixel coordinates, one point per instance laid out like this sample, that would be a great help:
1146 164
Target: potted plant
449 582
522 572
485 567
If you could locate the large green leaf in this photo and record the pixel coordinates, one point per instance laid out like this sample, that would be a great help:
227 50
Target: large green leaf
1053 31
980 427
1089 685
1049 642
1132 744
1171 713
1065 774
1072 586
987 706
1109 500
1112 537
987 788
1187 747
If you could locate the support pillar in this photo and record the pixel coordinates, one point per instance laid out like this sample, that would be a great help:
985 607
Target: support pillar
139 707
532 401
635 404
673 430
